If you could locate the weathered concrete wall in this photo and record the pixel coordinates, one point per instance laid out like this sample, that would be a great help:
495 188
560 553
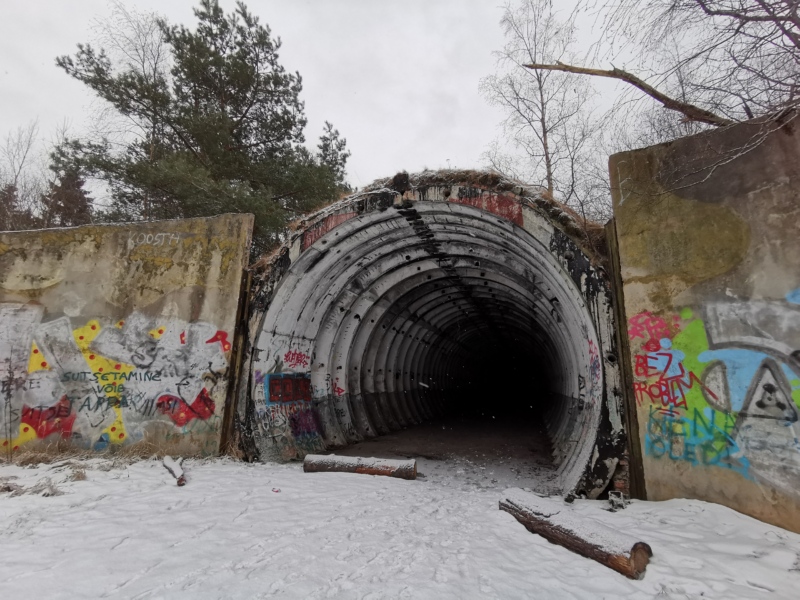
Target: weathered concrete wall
119 335
710 262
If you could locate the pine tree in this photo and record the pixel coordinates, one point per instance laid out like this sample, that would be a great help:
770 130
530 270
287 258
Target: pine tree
221 130
14 216
66 203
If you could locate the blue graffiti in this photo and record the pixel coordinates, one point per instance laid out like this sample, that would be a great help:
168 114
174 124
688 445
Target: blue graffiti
741 366
667 362
704 439
793 297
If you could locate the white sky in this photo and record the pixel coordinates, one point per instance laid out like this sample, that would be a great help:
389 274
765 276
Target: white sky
398 78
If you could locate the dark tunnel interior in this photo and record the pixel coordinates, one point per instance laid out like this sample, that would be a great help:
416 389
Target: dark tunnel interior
505 379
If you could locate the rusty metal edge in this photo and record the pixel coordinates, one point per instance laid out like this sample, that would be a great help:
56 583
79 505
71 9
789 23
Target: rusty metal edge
237 355
636 478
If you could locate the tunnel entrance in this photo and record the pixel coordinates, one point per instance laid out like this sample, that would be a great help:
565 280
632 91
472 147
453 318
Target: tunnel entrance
441 296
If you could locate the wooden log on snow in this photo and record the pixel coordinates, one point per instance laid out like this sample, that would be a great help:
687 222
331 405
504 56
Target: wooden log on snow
560 524
320 463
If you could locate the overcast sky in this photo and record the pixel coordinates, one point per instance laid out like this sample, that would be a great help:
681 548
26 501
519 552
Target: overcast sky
398 78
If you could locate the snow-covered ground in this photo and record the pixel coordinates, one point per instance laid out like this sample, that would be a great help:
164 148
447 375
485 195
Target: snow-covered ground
256 531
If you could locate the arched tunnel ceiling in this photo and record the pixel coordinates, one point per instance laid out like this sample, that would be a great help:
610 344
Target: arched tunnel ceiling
380 310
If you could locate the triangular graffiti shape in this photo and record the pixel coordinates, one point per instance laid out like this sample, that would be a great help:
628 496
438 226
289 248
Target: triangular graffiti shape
715 386
770 395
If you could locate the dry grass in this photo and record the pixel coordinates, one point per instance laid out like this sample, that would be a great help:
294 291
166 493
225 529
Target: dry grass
7 486
36 454
78 473
234 447
44 487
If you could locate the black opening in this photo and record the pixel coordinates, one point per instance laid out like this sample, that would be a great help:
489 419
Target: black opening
505 378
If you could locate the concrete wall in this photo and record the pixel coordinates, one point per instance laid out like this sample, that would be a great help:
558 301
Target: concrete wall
710 263
119 335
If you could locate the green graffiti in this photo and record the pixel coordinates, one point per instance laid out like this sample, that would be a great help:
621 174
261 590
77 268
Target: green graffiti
692 341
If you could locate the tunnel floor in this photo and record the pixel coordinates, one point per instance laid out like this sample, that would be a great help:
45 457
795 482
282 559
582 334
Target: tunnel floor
474 452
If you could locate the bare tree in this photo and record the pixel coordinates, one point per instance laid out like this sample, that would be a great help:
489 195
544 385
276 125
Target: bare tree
712 61
548 114
22 179
36 192
134 42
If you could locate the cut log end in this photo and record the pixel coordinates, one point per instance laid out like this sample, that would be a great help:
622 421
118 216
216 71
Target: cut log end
641 554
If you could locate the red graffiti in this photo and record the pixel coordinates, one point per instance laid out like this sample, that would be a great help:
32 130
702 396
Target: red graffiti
672 383
655 327
294 359
181 413
336 389
507 207
594 362
323 227
222 338
50 420
183 337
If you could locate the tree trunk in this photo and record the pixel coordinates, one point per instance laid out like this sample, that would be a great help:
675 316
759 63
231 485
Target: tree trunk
555 522
319 463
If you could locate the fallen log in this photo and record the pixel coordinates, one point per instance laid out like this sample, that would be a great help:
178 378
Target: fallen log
560 524
331 463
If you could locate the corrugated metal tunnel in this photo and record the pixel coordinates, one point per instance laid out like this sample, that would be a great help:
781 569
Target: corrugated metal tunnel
424 297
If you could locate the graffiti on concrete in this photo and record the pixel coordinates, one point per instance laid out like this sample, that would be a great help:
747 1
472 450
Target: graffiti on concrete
698 438
651 329
106 382
723 390
595 371
663 376
153 239
295 359
286 417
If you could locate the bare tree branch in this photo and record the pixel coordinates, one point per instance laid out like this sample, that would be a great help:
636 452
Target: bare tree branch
690 111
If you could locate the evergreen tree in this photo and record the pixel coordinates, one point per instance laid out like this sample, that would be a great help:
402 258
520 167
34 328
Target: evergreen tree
333 153
13 215
66 203
220 130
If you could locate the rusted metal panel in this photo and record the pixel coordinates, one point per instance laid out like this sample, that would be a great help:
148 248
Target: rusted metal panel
319 229
507 207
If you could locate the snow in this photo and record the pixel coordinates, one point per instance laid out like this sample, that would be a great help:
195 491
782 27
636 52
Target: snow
125 530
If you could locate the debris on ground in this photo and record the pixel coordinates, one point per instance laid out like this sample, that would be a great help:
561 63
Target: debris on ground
176 469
